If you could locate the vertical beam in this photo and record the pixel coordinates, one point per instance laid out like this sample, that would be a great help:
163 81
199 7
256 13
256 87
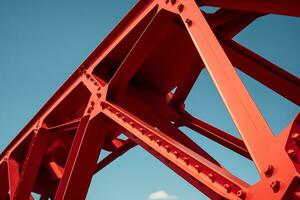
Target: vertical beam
246 116
82 159
3 181
13 176
32 164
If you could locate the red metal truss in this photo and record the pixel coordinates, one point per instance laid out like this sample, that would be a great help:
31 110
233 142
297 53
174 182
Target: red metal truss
135 83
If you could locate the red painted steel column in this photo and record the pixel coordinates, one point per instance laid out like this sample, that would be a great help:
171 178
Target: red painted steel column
13 176
32 163
3 181
82 159
239 103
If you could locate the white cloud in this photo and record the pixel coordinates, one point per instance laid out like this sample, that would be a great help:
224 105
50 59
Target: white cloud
162 195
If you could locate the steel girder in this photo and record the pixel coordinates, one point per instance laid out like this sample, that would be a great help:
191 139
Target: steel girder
126 86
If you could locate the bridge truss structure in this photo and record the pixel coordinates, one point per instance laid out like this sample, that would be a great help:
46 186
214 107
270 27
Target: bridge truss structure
136 82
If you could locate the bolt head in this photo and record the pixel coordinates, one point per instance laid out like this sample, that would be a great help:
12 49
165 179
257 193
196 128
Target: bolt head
296 138
211 177
292 154
173 2
150 136
180 7
188 22
275 185
158 142
142 131
241 194
186 160
89 110
268 171
167 147
176 154
227 187
132 124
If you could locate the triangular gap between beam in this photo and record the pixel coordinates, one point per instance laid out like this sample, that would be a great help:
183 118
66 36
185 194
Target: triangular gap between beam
205 103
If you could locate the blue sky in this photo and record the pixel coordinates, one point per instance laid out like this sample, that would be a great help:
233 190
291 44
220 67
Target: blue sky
43 42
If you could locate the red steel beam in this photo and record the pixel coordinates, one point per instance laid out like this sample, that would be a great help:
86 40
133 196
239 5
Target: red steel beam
290 8
114 155
263 71
217 135
90 110
82 159
212 176
13 176
32 163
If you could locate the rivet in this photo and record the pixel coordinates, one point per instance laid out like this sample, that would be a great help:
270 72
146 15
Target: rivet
227 187
142 131
197 167
180 7
89 110
241 194
92 103
150 136
98 95
296 138
173 2
292 154
211 177
268 171
88 76
188 22
275 185
103 105
124 119
99 88
176 154
158 142
186 160
132 124
167 147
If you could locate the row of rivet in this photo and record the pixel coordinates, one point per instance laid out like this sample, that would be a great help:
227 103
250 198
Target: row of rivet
94 81
296 141
186 159
180 8
293 155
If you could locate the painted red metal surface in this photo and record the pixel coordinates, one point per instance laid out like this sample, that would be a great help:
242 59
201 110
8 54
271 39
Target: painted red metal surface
127 86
